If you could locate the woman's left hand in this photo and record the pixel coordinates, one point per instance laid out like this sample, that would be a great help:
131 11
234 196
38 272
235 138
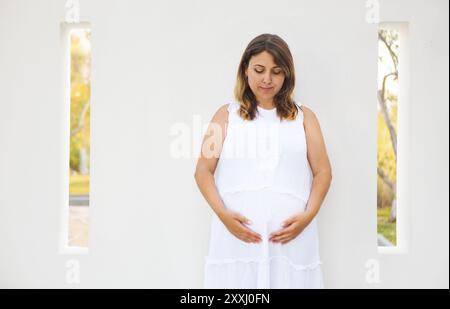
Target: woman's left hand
292 227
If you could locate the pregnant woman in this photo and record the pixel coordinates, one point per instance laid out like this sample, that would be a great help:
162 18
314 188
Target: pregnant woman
264 171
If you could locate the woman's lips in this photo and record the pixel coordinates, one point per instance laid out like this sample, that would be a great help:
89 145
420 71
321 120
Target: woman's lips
266 89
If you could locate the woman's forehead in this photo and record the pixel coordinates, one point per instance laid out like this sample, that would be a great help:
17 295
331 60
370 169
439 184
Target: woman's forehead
263 59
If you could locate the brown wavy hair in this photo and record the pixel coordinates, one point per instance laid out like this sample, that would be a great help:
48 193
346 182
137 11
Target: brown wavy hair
283 100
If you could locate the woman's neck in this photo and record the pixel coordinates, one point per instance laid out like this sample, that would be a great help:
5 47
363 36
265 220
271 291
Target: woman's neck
266 105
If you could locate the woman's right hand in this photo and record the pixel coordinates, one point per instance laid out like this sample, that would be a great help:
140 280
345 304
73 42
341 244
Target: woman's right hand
236 224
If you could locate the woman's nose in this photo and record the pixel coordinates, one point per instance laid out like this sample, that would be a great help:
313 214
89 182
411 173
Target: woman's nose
267 78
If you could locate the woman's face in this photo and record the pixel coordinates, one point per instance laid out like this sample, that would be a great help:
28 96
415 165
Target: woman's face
264 77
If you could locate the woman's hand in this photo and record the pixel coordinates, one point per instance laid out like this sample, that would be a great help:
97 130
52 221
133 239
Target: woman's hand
236 224
292 227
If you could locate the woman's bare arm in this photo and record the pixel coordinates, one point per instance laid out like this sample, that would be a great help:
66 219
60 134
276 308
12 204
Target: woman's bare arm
318 160
208 159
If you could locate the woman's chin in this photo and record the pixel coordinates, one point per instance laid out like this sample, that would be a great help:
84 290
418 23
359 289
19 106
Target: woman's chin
266 96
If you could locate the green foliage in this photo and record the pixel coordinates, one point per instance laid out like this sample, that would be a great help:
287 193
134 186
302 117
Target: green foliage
80 93
386 156
386 159
385 228
79 184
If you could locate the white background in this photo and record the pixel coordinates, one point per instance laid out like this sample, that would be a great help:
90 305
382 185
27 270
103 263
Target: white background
156 63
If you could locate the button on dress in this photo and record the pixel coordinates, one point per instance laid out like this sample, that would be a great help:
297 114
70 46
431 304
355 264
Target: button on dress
263 173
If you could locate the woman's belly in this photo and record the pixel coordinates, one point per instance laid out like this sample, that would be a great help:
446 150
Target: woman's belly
266 209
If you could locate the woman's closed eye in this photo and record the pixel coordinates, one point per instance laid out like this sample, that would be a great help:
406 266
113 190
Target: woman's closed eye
274 72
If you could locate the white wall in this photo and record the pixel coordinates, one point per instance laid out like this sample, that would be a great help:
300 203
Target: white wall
156 63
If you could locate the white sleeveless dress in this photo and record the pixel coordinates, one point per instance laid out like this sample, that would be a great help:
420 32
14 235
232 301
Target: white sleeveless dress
263 173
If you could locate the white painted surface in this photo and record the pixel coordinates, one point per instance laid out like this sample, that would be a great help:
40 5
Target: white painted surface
156 63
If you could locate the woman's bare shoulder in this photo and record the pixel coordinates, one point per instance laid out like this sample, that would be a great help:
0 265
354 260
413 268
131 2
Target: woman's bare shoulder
221 115
308 115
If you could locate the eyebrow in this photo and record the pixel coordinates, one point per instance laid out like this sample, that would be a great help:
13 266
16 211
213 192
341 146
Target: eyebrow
277 66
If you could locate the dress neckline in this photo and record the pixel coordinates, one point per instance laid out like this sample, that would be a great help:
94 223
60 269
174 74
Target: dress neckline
265 110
